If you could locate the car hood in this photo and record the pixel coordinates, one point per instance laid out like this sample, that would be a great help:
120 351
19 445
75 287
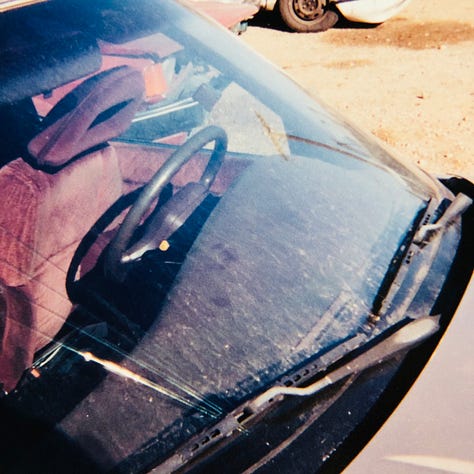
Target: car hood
439 403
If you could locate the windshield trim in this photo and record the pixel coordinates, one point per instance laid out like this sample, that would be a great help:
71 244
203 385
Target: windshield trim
6 5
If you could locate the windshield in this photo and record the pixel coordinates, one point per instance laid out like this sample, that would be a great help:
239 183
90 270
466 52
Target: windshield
181 225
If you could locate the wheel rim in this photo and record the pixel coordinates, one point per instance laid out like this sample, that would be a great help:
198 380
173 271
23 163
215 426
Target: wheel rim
309 10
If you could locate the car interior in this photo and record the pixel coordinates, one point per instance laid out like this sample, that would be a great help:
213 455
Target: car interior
61 173
178 236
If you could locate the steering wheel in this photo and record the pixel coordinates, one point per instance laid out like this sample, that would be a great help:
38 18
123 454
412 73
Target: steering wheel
172 215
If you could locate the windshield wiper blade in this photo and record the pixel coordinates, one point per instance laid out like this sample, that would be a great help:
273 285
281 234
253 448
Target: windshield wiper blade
406 337
458 206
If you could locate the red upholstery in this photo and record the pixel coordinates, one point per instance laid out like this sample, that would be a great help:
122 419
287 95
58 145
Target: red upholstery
42 219
44 215
98 109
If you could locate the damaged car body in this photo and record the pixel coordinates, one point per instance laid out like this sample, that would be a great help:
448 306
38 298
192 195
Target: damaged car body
200 265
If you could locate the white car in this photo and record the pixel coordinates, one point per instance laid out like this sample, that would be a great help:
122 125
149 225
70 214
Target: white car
320 15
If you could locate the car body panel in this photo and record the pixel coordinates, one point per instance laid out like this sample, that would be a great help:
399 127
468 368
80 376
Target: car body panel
432 429
361 11
229 15
370 11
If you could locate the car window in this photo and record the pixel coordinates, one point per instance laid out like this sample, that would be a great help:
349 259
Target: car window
174 238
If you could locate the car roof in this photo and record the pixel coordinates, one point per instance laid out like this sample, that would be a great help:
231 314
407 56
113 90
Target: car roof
45 44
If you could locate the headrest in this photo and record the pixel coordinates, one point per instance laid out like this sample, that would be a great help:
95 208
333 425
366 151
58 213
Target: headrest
97 110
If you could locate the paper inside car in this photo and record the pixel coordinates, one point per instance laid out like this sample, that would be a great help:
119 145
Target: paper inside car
201 268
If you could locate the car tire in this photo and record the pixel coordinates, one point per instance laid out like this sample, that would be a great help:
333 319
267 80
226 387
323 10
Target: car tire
307 16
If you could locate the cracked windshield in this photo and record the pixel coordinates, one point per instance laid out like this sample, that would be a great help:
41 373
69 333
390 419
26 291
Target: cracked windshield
170 225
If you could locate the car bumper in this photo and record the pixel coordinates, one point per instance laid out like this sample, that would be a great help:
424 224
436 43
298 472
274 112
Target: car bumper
370 11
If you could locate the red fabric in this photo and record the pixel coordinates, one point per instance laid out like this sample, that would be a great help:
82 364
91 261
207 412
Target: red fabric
45 215
42 219
99 109
15 322
44 104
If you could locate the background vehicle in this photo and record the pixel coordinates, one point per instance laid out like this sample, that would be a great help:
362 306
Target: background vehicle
231 15
197 260
320 15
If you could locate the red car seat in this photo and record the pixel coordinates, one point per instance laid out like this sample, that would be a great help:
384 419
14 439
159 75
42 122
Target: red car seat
49 202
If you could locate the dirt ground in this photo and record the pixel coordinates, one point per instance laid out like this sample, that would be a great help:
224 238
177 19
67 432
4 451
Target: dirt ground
410 81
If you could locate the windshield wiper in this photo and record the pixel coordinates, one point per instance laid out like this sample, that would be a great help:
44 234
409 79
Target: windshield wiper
407 259
458 206
406 337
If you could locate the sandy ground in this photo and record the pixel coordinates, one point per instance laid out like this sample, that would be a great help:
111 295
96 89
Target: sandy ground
410 81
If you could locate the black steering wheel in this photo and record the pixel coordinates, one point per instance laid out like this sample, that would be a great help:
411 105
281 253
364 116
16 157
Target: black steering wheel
172 215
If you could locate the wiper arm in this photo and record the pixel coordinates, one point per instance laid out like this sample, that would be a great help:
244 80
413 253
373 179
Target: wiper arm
404 338
407 337
458 206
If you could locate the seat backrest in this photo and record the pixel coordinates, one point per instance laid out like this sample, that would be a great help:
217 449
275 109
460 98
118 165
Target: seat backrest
49 202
